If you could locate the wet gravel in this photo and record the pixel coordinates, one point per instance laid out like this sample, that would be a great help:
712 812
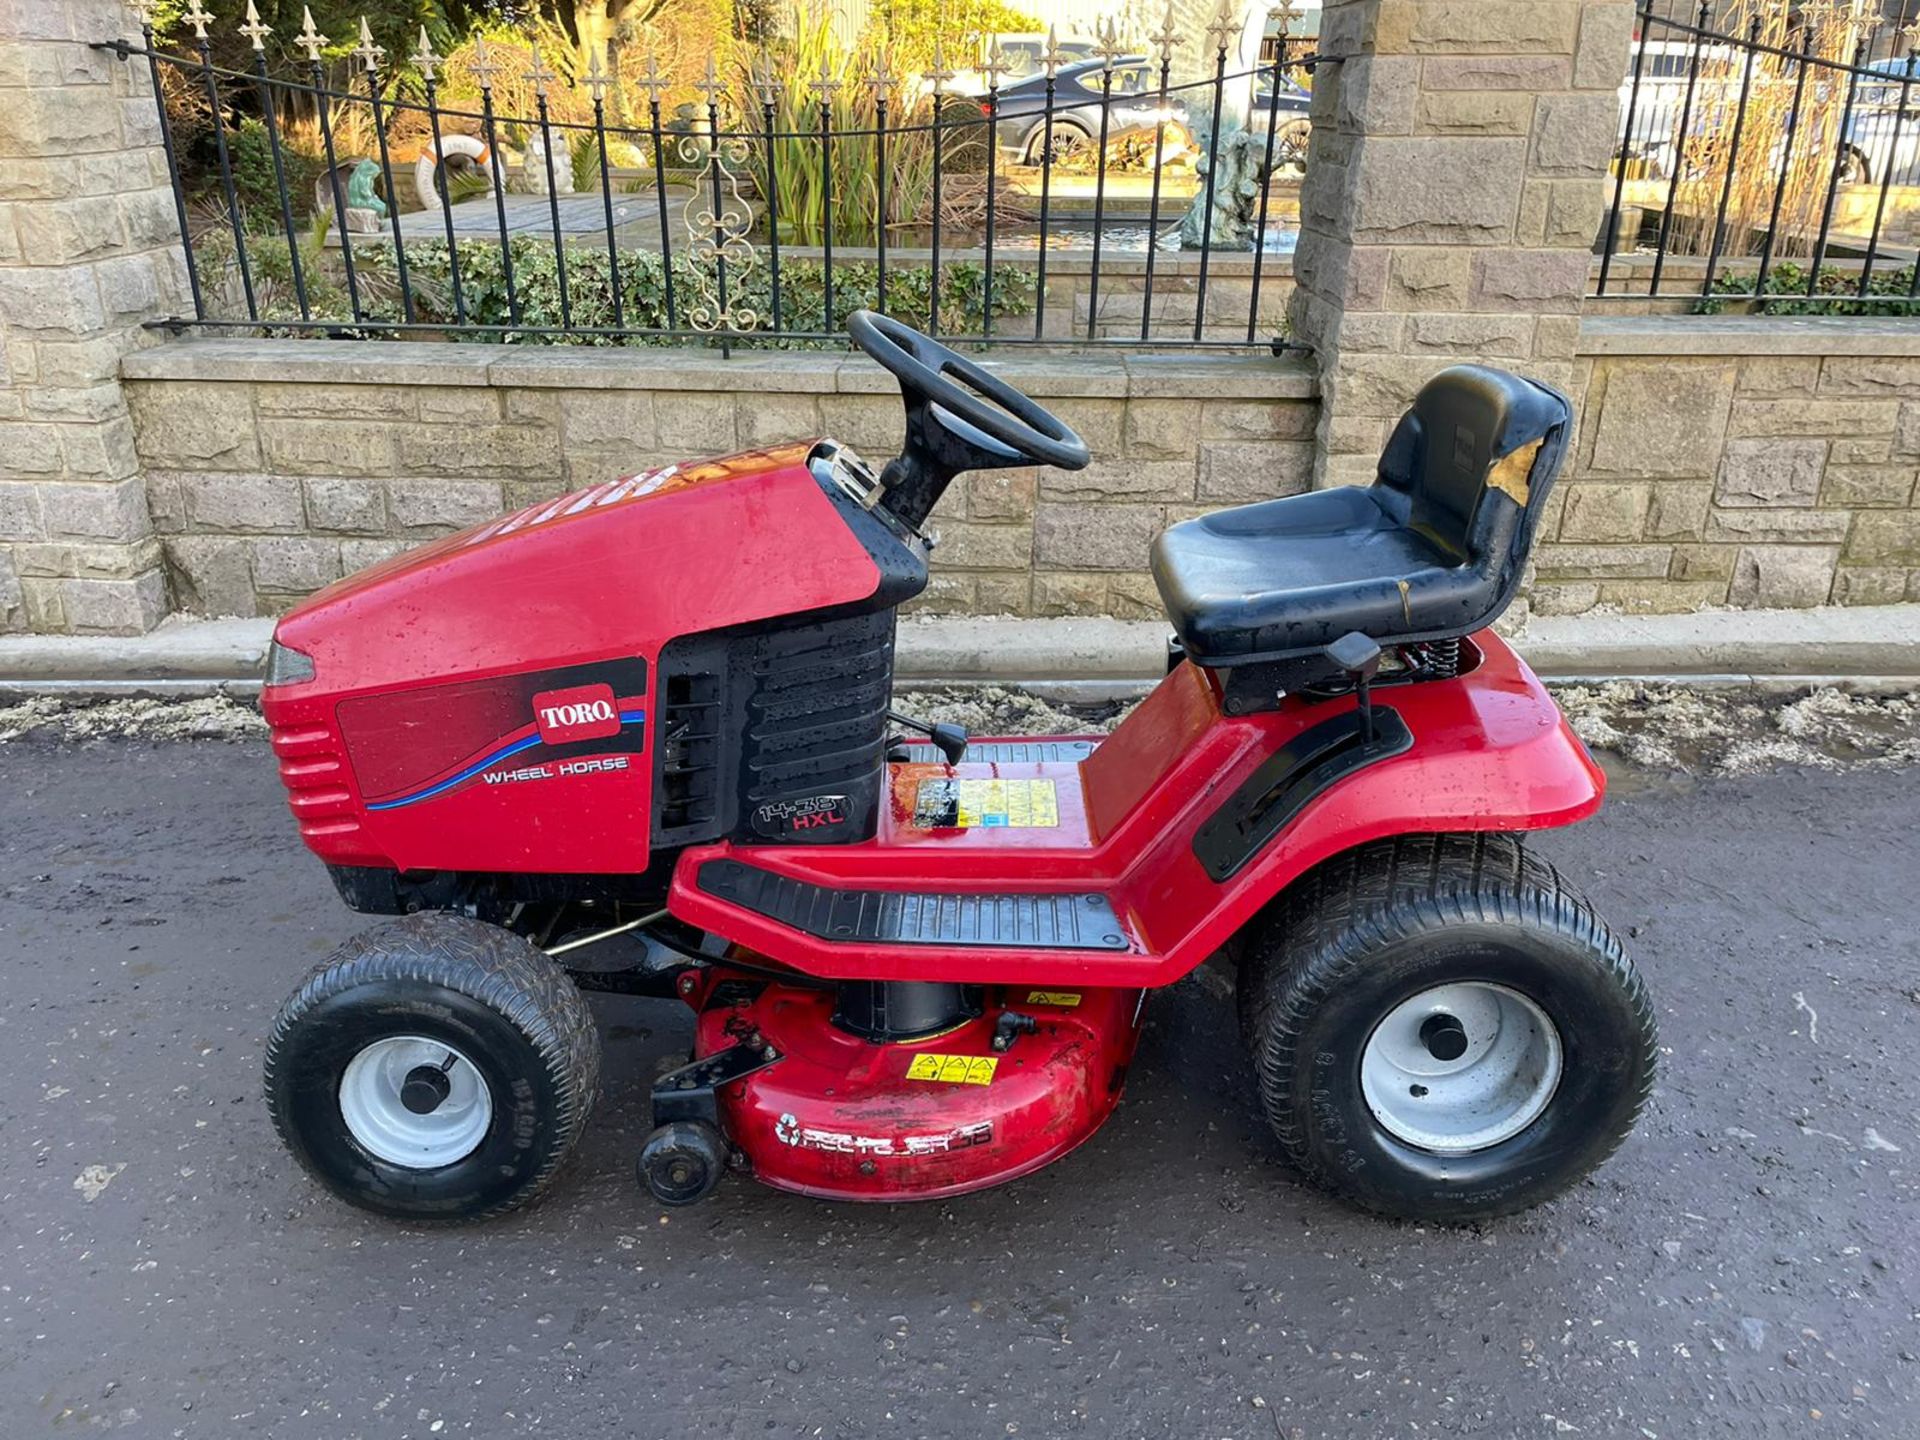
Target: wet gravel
1745 1266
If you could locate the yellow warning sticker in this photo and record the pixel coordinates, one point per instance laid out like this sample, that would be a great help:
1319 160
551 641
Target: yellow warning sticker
964 804
954 1069
1059 999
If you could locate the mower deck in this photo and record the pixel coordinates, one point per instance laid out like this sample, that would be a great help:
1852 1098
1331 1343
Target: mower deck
843 1118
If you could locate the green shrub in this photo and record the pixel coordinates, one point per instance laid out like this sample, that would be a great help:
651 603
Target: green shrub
643 292
1834 293
250 150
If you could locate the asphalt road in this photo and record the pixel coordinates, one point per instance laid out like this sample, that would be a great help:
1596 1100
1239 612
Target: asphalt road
1747 1265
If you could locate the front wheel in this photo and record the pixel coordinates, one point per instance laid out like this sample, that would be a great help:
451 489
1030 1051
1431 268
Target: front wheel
435 1068
1443 1030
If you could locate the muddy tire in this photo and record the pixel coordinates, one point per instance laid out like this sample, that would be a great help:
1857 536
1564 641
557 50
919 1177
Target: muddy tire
1442 1029
435 1068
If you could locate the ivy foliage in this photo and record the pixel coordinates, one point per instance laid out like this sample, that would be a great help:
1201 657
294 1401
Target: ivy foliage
533 304
644 300
1890 292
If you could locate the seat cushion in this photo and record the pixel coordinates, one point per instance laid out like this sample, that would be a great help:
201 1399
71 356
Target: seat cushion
1288 576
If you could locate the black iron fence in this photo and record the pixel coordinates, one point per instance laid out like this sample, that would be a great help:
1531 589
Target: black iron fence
1778 167
1094 201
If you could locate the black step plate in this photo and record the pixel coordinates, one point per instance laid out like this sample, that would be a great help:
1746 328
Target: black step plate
891 917
1009 752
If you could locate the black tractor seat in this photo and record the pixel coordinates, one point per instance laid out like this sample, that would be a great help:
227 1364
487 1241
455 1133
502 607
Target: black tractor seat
1432 550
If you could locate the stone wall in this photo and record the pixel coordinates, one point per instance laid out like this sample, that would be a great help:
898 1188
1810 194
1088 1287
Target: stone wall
88 250
1740 461
274 467
1723 461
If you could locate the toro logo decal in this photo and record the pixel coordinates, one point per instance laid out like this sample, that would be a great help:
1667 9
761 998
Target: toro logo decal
585 712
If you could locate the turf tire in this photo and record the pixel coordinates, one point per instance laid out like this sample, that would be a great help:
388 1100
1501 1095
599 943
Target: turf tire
1367 929
484 990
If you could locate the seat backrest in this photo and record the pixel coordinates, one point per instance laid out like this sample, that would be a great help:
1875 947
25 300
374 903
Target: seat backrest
1472 462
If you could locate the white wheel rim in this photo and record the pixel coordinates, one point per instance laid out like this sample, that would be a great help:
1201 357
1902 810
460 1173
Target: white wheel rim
1504 1074
379 1119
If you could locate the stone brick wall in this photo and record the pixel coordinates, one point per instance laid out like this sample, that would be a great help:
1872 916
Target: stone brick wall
88 250
1745 462
1728 461
274 467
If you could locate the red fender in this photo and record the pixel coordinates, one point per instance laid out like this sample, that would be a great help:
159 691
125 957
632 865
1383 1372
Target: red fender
1490 751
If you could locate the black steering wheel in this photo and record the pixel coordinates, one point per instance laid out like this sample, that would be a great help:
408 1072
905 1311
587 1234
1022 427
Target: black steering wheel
981 424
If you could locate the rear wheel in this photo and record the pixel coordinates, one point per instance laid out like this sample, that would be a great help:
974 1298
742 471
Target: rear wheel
1068 146
435 1068
1442 1028
1290 143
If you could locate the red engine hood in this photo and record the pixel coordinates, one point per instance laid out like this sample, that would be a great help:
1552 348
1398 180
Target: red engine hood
616 569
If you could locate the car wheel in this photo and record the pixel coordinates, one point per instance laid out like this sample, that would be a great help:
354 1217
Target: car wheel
1290 147
1070 144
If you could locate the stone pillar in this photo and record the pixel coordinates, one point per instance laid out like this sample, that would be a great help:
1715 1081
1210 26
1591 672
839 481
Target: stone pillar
1453 195
88 250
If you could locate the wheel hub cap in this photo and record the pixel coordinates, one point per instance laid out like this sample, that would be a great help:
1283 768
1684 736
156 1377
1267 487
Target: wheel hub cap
1462 1067
415 1102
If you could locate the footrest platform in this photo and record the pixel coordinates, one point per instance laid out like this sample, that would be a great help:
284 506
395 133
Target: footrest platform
1084 921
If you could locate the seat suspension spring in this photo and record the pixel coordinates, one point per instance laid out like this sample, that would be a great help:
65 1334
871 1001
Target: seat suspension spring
1443 658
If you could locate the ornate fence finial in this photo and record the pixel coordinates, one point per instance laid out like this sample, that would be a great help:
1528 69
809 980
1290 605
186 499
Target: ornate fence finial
424 60
539 76
143 12
309 39
482 65
1281 16
712 86
366 52
939 75
651 78
881 79
1110 49
826 84
1225 29
256 30
597 81
196 15
1051 58
1168 37
766 88
995 64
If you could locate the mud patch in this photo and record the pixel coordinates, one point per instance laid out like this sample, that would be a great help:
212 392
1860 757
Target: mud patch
998 710
1666 728
46 717
1743 731
1673 729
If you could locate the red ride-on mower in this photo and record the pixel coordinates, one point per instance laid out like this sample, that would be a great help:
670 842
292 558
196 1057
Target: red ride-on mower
648 723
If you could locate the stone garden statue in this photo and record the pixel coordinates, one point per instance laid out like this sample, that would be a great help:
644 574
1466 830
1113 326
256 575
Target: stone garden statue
533 168
365 210
1236 170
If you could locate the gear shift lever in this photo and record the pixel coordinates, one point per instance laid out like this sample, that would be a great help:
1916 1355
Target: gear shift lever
1359 658
949 740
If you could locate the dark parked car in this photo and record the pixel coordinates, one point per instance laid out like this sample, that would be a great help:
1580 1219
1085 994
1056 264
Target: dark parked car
1133 104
